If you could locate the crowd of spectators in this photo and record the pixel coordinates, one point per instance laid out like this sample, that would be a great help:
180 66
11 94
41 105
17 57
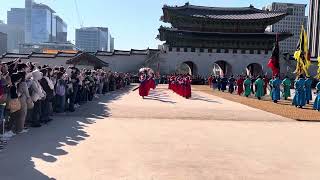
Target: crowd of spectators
30 95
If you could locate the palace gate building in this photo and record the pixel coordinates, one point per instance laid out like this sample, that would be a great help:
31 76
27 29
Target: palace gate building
203 40
209 38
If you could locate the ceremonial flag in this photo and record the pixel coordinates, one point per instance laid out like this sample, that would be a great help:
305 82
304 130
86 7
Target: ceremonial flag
274 61
302 54
318 74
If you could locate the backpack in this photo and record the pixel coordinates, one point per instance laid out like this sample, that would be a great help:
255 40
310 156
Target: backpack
60 89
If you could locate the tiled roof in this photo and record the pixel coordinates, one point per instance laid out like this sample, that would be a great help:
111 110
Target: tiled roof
88 58
207 8
43 55
104 53
16 55
122 52
242 16
71 55
223 13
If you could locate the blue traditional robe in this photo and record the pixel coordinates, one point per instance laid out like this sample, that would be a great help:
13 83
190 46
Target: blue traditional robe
232 82
275 84
300 93
316 104
224 83
308 84
219 83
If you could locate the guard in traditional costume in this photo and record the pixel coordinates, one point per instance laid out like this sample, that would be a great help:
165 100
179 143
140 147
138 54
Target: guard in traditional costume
214 82
247 87
316 104
308 84
232 83
275 88
266 83
259 84
299 99
240 82
224 83
253 80
286 83
219 83
188 87
210 81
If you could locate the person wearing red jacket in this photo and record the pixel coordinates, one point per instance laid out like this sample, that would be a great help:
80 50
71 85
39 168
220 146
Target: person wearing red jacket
240 85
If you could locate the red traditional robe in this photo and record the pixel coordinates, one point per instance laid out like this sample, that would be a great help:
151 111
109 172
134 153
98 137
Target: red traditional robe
188 87
152 83
210 81
240 85
144 85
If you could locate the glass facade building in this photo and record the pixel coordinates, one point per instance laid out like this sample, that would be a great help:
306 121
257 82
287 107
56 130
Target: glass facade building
91 39
61 30
291 23
15 28
28 21
3 43
42 24
16 17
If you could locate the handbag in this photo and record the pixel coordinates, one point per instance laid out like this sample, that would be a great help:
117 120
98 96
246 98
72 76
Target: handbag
30 103
14 105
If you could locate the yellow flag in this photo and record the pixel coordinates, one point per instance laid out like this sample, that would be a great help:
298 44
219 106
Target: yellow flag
302 54
318 73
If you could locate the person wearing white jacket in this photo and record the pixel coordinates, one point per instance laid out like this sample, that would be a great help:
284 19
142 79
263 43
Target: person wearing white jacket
37 93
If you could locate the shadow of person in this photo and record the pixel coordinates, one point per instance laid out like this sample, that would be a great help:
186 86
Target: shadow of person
45 143
201 98
160 99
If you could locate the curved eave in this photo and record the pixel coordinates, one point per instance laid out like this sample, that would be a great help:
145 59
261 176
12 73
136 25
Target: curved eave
187 6
275 17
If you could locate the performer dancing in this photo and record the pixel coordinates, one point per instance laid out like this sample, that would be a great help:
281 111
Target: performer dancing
181 84
144 82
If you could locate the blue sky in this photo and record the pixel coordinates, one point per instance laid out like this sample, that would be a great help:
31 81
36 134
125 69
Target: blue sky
133 23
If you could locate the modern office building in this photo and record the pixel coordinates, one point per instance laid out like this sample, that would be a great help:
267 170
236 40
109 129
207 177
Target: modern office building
16 17
314 28
39 23
112 44
61 30
15 36
291 23
91 39
42 23
28 21
3 43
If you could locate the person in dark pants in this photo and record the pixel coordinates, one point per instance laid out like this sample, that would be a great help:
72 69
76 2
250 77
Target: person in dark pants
37 95
48 87
75 86
60 93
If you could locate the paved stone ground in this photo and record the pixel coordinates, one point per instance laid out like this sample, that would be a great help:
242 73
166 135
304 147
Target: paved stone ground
165 137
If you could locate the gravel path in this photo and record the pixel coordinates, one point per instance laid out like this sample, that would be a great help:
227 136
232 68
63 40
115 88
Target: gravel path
283 108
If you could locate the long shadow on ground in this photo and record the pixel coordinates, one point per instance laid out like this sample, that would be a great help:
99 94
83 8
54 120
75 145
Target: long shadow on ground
45 143
160 95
